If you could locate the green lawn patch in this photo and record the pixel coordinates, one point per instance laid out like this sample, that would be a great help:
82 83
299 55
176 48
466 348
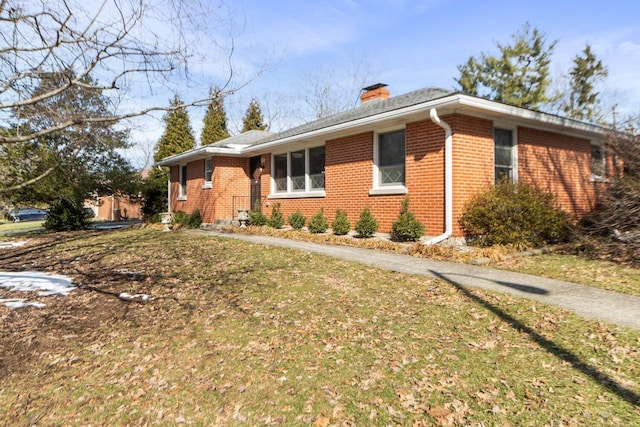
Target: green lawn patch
9 228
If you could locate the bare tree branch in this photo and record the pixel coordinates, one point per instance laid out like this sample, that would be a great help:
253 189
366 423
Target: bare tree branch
29 182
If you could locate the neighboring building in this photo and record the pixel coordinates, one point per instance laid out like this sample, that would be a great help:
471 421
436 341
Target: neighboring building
114 208
435 146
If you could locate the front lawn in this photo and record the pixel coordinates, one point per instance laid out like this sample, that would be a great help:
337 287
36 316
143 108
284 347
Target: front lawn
596 273
9 227
240 333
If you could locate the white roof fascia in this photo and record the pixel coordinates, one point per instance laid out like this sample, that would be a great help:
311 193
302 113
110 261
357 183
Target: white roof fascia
235 151
197 154
533 117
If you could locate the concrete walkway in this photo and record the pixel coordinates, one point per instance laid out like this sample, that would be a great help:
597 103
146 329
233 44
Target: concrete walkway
590 302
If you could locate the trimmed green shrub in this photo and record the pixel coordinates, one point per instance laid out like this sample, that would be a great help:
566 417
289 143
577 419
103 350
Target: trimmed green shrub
341 224
318 223
276 220
406 228
192 220
180 217
514 214
297 220
367 224
67 215
256 217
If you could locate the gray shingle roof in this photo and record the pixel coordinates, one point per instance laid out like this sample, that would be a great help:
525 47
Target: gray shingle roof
246 138
367 109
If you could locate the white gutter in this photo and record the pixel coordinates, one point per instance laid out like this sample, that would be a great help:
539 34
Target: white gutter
448 179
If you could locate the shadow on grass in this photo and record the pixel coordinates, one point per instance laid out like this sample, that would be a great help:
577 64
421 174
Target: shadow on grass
550 346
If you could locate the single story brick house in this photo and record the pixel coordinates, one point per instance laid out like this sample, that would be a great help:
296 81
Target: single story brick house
435 146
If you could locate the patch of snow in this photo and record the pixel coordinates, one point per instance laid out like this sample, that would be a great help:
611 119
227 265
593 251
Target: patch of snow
33 281
19 303
7 245
135 297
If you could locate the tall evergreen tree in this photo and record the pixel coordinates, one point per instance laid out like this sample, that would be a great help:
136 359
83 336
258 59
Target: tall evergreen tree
178 135
253 117
215 119
518 76
582 100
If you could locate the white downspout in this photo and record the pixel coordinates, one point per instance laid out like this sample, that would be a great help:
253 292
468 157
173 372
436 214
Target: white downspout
448 179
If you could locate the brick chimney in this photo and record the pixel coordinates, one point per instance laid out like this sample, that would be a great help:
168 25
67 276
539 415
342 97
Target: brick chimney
373 92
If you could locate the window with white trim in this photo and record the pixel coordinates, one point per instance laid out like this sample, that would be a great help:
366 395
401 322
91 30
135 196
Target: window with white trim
598 162
299 172
208 172
503 154
298 166
391 158
183 183
280 172
316 168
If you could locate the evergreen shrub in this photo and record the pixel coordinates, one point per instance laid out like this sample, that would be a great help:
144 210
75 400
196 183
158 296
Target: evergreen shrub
514 214
256 217
406 228
367 224
192 220
341 224
318 223
297 220
67 215
276 220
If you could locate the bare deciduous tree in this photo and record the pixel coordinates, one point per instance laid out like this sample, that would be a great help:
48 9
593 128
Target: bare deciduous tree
118 43
128 50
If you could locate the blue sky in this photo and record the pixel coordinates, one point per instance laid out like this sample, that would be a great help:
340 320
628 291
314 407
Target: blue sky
407 44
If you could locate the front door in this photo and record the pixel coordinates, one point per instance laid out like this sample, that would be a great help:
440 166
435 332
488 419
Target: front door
255 167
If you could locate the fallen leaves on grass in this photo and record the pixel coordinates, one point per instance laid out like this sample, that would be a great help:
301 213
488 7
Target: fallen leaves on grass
239 333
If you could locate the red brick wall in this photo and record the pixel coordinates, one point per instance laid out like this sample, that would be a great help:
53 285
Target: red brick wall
560 164
230 178
349 177
472 160
557 163
114 208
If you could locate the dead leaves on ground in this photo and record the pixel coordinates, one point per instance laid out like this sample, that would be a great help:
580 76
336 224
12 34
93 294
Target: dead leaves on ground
240 333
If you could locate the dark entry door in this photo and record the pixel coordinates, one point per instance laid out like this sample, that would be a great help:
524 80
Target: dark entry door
255 167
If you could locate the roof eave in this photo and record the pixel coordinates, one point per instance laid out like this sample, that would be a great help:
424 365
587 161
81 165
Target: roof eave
197 154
